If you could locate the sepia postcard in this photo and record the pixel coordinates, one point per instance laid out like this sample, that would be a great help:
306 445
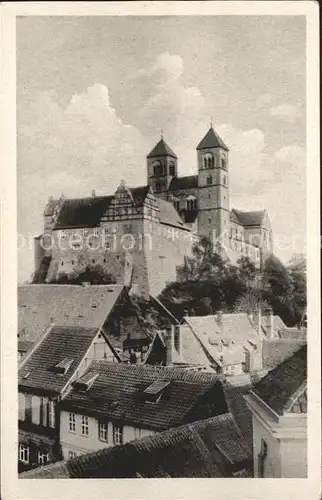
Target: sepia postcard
160 272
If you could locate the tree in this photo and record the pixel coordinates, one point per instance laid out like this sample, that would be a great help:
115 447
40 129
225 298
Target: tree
95 275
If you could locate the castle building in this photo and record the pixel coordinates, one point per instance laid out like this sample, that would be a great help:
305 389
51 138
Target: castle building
202 200
142 235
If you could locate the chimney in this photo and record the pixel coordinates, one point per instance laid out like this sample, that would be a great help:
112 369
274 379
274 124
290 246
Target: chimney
169 345
219 317
86 284
257 320
93 193
186 312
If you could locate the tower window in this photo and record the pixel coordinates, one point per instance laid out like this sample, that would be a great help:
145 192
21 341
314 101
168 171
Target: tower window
157 169
157 186
225 180
209 161
171 169
209 180
223 163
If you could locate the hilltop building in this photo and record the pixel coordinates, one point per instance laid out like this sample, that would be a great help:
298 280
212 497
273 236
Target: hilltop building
141 235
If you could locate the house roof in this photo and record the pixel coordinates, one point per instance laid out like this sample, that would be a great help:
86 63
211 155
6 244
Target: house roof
234 395
187 182
161 149
254 218
212 140
235 327
60 343
275 351
117 393
282 385
292 333
206 448
39 305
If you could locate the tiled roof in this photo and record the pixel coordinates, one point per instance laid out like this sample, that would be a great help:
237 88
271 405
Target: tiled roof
278 388
161 149
59 343
117 393
277 350
248 218
212 140
169 215
207 448
188 182
237 406
235 327
82 212
38 305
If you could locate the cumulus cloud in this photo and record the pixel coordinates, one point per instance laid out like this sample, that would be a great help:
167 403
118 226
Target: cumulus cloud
85 144
286 112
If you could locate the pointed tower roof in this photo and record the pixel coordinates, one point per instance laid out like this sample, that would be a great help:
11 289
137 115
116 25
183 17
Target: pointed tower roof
212 140
162 149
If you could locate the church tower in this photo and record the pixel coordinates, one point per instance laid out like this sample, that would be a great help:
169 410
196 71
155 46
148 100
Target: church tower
213 186
162 168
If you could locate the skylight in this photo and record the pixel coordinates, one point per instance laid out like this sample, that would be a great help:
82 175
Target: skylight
85 382
155 390
63 366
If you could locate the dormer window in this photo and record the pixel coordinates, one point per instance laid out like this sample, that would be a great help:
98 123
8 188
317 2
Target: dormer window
154 391
63 366
84 383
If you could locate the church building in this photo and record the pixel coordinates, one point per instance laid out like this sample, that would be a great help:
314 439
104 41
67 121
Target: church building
141 235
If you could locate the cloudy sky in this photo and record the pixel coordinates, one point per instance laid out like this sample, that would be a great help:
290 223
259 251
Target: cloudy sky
94 92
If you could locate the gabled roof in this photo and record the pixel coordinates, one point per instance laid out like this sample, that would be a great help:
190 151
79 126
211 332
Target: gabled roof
58 344
206 448
275 351
282 385
161 149
235 326
212 140
38 305
82 212
117 393
254 218
187 182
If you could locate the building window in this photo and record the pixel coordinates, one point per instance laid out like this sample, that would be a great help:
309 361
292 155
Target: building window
72 454
137 433
157 186
24 453
209 161
21 406
191 203
35 410
84 426
225 180
262 458
171 169
117 434
51 414
43 458
209 180
103 432
44 405
72 422
223 163
176 204
95 231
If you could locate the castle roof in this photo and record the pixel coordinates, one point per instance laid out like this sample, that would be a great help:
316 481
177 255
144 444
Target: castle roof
247 218
87 212
212 140
162 149
120 393
187 182
284 386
